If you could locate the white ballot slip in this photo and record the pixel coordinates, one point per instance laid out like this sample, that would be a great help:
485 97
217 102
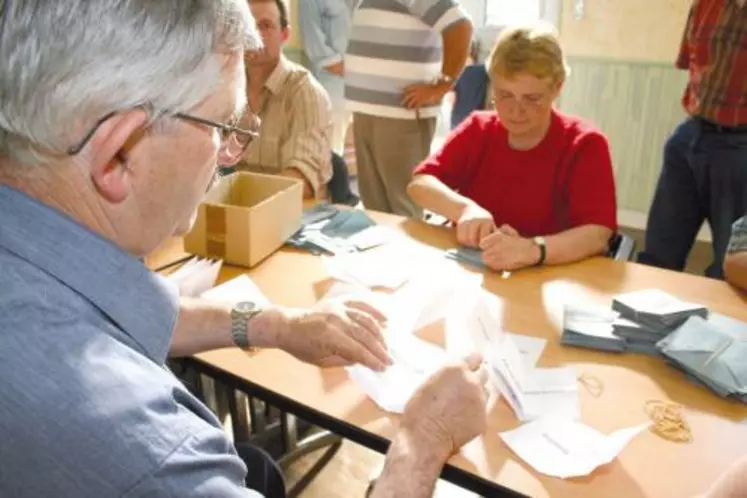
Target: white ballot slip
196 276
565 448
236 290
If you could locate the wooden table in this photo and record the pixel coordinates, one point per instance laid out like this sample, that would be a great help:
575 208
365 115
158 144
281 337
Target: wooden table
648 467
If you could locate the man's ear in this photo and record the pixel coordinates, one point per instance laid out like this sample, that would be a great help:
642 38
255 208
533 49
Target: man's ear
285 34
109 150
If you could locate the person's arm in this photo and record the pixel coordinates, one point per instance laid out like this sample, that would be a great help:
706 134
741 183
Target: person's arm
412 467
576 244
735 262
443 415
683 57
732 483
437 180
320 54
506 249
307 153
592 203
332 333
430 193
457 40
735 269
448 18
204 325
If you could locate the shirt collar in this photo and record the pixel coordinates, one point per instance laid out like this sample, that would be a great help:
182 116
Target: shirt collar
278 76
141 303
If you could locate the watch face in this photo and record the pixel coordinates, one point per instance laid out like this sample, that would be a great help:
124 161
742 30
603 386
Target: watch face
244 306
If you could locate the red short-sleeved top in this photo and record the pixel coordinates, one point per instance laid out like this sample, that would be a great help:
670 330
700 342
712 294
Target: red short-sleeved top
564 182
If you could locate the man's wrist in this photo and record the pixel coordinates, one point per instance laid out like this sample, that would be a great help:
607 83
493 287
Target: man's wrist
412 466
424 439
264 330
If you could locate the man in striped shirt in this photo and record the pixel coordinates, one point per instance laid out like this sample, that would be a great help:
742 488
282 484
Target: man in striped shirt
402 58
704 176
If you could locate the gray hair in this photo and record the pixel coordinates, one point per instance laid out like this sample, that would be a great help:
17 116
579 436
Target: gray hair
65 64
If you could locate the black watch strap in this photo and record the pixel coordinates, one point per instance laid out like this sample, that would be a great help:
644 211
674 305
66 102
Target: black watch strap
540 242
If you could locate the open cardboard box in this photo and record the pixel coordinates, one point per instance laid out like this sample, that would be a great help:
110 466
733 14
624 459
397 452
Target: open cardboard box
246 217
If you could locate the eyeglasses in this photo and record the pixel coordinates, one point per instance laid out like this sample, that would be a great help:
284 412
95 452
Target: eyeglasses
524 102
233 140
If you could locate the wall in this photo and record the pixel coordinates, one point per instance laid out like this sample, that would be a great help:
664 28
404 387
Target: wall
623 78
293 48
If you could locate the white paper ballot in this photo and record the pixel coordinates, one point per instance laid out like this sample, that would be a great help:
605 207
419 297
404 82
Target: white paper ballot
564 448
414 361
531 348
379 267
416 304
371 237
238 289
196 276
545 391
473 322
530 392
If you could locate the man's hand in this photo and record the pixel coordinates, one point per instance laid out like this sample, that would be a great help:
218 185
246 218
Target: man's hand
474 224
423 94
337 68
335 333
505 249
448 410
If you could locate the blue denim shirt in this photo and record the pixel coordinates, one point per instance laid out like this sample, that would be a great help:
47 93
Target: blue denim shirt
325 28
87 406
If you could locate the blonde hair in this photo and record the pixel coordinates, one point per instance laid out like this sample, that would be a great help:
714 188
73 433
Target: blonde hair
533 49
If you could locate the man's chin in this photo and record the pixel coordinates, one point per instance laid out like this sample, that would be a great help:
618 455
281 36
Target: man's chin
186 226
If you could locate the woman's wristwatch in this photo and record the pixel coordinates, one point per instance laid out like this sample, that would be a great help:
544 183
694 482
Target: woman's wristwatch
540 242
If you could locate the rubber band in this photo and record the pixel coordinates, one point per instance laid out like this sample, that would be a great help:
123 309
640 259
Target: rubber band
593 385
668 420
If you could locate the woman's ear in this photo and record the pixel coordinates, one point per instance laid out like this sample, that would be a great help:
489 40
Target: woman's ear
558 88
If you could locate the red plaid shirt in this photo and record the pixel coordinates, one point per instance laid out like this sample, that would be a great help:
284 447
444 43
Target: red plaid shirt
714 51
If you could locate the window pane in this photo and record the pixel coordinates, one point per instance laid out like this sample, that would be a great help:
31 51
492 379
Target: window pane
504 12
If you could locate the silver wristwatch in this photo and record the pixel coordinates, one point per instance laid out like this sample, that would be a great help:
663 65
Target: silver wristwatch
241 314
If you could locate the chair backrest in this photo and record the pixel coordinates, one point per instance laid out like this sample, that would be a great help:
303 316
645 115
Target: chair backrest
339 184
622 247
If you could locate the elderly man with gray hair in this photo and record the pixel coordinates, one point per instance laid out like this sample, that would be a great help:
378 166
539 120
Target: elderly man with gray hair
114 115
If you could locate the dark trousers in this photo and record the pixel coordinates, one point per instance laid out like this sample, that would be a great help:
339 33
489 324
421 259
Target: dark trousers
703 178
263 474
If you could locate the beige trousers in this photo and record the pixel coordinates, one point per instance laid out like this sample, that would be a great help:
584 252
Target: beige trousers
386 152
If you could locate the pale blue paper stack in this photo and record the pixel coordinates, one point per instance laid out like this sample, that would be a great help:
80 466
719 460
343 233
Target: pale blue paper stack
713 352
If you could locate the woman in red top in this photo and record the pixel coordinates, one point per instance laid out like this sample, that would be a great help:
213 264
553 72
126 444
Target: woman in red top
526 184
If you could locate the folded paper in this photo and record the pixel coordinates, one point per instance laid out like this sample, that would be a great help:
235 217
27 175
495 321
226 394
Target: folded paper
565 448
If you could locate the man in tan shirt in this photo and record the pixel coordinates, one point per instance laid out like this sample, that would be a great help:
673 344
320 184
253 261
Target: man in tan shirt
294 108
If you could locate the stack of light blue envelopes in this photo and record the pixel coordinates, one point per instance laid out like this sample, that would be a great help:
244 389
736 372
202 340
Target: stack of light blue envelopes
468 256
655 310
713 352
325 228
638 338
591 327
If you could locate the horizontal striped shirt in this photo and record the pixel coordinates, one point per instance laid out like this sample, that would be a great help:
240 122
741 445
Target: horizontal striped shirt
394 44
714 51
